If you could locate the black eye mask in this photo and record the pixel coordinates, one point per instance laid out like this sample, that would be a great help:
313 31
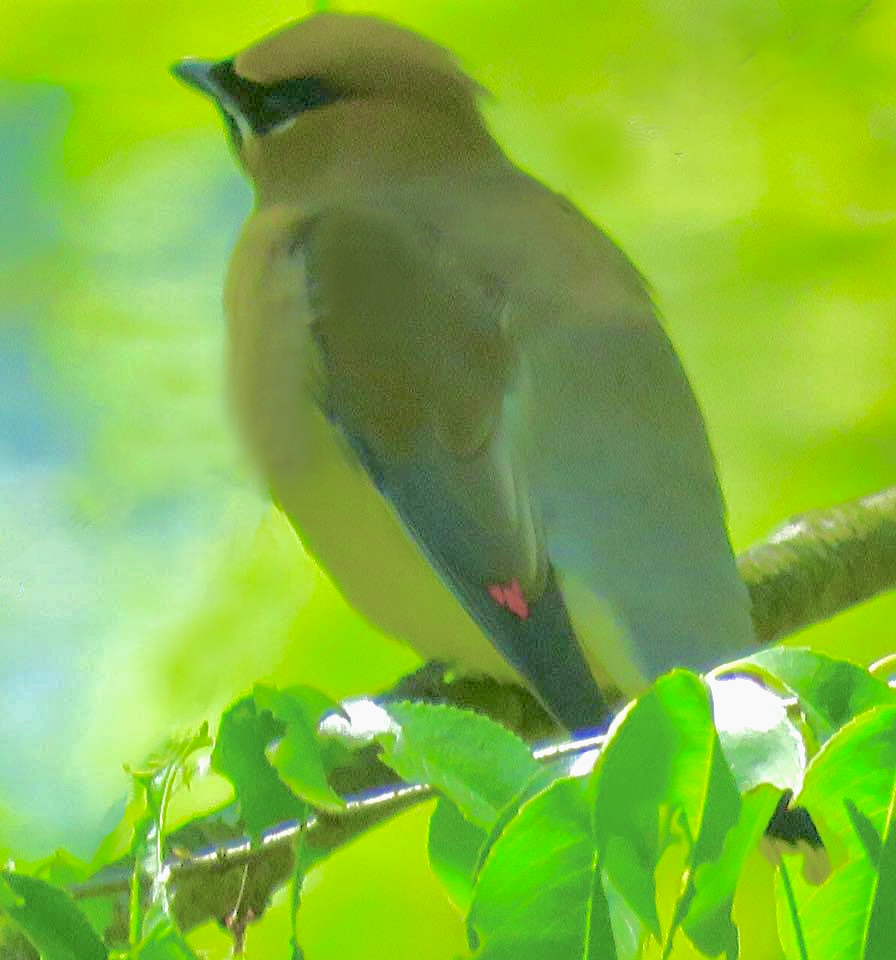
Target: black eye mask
265 106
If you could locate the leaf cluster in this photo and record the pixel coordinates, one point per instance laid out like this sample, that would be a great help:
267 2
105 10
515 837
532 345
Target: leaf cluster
636 844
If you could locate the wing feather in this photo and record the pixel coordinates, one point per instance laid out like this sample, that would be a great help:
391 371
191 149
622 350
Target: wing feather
419 375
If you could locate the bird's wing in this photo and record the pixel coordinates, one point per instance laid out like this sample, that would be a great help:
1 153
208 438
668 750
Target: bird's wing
418 373
619 465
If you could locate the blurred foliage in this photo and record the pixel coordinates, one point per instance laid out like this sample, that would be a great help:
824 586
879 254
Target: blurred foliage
741 152
642 848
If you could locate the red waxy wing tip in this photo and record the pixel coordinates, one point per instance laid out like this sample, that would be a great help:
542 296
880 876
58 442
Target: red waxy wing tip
510 596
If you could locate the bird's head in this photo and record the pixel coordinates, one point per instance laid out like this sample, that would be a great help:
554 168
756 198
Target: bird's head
341 96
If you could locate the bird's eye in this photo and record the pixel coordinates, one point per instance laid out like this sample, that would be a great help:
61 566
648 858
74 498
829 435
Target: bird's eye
287 99
264 106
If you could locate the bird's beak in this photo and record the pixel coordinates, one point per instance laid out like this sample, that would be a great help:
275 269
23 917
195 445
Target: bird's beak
218 81
199 74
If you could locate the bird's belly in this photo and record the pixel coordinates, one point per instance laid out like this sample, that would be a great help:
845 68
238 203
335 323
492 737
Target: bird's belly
355 536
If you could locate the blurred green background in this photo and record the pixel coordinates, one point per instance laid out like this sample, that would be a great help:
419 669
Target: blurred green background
742 152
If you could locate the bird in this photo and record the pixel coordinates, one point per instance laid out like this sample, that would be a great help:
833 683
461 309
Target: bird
457 387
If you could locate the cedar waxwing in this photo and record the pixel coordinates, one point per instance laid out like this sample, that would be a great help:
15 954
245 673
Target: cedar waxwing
457 386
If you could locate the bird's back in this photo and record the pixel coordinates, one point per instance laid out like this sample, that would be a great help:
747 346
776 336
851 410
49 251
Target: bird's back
617 456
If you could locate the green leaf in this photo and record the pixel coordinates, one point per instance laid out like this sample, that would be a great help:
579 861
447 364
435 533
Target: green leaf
662 773
62 869
163 942
240 754
831 692
760 742
9 899
708 922
473 761
298 754
539 893
120 839
458 848
850 791
547 774
146 819
455 850
51 920
549 879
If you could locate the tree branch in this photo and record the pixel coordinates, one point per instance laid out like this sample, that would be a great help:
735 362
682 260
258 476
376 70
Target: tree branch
821 563
215 882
